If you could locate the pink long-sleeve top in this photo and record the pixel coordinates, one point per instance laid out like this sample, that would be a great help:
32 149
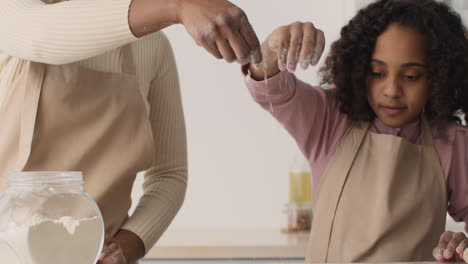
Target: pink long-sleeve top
312 116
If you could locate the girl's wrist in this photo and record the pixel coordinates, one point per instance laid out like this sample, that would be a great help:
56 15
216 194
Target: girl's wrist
268 67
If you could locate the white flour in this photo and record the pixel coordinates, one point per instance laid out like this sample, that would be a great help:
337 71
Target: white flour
48 241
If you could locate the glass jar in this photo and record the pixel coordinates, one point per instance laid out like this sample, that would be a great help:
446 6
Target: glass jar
47 218
299 216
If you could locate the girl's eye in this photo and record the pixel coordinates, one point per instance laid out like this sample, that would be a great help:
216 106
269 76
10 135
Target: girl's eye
377 74
412 77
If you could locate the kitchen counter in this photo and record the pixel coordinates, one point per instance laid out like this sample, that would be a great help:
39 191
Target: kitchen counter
264 262
235 246
230 244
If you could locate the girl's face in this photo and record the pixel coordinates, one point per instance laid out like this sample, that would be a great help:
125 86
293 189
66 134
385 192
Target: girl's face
398 82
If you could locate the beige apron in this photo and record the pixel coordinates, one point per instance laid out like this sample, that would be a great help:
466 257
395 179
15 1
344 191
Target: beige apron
69 118
381 199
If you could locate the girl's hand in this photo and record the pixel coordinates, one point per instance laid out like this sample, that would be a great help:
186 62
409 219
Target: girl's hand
288 46
452 247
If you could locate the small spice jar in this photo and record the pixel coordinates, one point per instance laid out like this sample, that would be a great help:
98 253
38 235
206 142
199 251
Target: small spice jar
299 216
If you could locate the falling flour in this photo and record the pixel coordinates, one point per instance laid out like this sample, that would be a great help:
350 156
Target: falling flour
47 241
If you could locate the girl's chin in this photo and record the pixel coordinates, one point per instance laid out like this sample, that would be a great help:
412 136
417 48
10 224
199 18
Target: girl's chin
393 122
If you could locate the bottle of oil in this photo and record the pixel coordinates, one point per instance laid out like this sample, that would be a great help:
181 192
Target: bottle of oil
300 180
299 208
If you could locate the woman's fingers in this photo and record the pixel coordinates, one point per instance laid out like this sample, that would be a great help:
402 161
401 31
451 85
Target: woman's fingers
226 50
112 254
252 41
208 21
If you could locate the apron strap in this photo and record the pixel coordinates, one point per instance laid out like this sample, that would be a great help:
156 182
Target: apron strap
426 135
332 196
32 93
128 63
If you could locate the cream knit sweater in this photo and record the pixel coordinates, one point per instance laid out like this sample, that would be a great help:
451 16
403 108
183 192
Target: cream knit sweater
88 32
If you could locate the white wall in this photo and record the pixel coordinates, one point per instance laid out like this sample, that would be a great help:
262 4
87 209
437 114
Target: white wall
238 155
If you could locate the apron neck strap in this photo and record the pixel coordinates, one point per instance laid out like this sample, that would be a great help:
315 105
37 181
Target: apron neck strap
128 64
426 134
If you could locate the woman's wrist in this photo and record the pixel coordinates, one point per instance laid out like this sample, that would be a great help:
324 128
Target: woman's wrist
131 245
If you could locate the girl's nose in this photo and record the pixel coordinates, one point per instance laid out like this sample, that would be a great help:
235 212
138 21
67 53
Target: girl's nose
393 88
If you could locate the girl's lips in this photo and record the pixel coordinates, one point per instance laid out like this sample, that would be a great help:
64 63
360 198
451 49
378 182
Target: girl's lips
393 110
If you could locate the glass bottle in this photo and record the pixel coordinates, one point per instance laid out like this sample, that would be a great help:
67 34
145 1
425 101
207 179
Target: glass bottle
300 181
299 208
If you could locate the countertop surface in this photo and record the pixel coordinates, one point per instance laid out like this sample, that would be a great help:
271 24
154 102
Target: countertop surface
235 246
230 244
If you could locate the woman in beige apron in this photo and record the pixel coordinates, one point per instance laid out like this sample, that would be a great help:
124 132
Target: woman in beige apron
70 118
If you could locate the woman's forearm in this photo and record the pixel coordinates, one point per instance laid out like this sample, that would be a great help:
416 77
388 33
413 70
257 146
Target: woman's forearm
65 32
148 16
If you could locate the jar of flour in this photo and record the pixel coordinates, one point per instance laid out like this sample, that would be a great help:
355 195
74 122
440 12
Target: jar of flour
47 218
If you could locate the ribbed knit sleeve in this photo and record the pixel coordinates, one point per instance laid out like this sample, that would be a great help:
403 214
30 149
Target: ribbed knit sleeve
63 32
166 181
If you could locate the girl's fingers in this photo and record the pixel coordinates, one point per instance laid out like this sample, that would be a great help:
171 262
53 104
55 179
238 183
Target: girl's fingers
295 45
282 58
456 239
308 45
319 46
438 254
278 43
462 246
445 239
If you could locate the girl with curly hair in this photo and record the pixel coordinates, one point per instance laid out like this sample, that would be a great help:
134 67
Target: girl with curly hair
387 149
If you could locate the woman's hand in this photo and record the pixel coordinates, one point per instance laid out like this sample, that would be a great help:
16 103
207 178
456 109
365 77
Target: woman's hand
221 28
288 46
112 253
124 248
452 247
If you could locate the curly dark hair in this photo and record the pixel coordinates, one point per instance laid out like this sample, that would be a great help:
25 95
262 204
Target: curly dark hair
348 65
